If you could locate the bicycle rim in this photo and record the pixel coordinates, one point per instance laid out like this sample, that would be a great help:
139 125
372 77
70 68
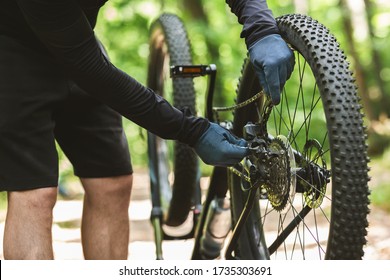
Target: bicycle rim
320 121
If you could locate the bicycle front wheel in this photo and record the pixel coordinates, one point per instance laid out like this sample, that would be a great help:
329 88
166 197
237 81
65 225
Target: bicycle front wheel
173 166
315 205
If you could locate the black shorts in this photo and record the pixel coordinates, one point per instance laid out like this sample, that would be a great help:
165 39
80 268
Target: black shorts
39 106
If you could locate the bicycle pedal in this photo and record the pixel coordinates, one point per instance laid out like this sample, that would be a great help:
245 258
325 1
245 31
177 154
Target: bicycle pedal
191 71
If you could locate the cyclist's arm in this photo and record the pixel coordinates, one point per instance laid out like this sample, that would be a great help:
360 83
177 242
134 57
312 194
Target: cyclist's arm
256 18
64 29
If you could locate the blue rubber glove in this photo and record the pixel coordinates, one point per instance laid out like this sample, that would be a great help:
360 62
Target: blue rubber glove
273 61
218 147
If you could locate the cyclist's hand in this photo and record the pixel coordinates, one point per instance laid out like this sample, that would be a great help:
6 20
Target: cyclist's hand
273 61
217 146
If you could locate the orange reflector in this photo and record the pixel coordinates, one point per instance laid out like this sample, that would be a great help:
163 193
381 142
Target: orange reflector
191 70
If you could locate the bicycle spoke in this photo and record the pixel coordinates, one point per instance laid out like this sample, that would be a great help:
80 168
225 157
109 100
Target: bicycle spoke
295 224
304 121
311 109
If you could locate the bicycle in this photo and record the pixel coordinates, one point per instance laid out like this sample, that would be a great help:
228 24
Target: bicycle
303 191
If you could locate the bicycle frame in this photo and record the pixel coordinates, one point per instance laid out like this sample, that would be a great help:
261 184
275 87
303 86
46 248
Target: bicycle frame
219 178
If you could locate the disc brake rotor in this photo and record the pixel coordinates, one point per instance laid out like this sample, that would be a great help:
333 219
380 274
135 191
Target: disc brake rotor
314 191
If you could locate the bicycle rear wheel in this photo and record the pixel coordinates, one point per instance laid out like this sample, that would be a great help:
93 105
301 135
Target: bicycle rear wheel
173 166
316 205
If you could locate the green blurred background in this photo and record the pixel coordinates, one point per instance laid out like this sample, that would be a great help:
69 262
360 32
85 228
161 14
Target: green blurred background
362 28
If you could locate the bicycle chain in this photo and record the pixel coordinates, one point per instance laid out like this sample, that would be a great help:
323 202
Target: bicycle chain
232 108
239 105
240 174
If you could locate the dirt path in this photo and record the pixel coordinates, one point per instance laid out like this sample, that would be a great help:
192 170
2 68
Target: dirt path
66 231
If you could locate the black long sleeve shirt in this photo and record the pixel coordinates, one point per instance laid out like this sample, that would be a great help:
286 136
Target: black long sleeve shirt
256 18
64 29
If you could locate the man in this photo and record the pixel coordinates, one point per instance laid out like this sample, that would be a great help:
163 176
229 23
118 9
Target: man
57 84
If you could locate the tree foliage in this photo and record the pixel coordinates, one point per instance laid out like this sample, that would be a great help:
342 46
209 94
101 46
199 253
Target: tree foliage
361 26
